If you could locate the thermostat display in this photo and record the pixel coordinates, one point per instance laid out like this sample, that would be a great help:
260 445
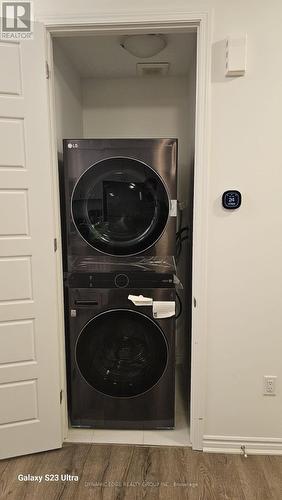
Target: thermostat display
231 199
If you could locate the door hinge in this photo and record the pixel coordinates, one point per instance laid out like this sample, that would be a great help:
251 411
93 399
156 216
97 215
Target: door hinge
47 71
61 396
194 302
55 245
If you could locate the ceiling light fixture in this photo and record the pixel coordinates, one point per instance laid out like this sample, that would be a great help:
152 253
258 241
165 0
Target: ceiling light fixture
143 46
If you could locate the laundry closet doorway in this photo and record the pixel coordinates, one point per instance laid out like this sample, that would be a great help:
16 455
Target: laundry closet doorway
87 100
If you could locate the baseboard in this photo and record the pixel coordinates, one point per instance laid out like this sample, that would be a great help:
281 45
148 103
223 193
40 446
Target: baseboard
234 444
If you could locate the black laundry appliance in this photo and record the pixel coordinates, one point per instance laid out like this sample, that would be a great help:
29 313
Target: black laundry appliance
119 197
120 354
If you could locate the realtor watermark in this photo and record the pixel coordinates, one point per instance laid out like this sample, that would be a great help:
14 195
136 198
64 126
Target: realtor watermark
16 20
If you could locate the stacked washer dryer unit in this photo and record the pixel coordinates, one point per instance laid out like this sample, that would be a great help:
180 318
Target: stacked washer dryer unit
120 222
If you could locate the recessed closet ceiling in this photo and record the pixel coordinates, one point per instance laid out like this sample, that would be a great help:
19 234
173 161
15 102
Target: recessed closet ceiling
102 56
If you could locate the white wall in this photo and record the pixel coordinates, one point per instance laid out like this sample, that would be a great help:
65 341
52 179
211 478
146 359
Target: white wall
140 107
244 248
148 107
67 98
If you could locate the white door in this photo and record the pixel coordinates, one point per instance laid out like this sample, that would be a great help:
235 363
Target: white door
29 354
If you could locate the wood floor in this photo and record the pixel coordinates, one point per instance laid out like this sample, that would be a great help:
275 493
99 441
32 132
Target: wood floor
113 472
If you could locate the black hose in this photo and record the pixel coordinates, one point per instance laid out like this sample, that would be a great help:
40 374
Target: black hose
179 240
180 221
186 228
180 306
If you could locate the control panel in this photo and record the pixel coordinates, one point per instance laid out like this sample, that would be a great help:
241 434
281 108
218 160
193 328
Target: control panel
135 279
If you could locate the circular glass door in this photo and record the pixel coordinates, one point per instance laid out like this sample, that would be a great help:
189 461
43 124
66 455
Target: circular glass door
121 353
120 206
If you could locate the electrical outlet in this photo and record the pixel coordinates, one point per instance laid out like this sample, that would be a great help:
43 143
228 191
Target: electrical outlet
269 385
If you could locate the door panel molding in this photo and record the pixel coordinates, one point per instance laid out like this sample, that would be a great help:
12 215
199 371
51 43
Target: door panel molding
29 361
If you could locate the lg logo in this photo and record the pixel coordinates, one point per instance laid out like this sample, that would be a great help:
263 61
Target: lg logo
72 145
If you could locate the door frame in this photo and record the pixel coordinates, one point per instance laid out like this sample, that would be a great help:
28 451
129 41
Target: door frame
138 22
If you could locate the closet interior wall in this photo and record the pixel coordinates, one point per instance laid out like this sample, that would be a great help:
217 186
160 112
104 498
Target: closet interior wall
109 106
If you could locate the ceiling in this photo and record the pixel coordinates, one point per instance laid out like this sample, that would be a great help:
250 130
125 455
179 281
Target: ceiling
101 56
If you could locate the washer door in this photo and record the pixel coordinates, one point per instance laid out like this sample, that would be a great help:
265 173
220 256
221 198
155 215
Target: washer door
121 353
120 206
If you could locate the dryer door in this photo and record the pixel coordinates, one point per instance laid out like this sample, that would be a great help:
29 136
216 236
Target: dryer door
122 353
120 206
